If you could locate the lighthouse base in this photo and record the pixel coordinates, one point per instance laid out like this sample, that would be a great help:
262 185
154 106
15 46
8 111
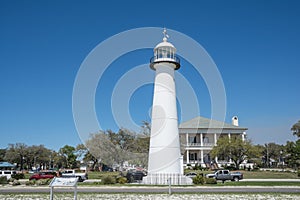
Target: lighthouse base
165 178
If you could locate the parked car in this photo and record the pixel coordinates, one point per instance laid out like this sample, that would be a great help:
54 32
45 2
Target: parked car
42 175
74 173
225 175
7 173
191 174
135 176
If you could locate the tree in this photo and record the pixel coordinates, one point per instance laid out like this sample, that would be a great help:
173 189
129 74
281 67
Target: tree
296 129
17 153
146 128
259 158
84 155
68 154
81 151
99 145
38 157
2 154
235 149
272 151
292 158
116 148
293 148
109 147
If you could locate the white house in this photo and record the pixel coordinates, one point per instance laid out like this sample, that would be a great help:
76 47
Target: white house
199 135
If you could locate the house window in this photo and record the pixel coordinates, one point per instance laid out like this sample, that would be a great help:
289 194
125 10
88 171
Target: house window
192 139
193 156
206 140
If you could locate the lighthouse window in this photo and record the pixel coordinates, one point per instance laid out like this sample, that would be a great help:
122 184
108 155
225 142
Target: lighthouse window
164 52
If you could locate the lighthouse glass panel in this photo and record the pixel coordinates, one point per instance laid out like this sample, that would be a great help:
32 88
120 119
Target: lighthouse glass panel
164 52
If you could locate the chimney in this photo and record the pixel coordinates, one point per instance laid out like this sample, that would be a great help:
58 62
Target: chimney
235 121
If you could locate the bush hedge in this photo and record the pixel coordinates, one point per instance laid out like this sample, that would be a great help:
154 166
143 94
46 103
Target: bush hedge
199 180
211 181
15 182
43 181
18 176
3 180
106 180
32 182
122 180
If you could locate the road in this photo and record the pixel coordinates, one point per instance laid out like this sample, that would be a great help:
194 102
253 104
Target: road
146 189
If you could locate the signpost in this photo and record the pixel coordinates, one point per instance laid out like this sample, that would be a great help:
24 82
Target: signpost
64 182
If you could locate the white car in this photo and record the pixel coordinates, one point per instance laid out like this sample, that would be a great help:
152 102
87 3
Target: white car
7 173
191 174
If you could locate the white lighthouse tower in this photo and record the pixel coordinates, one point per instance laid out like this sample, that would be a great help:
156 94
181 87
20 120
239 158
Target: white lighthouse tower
164 162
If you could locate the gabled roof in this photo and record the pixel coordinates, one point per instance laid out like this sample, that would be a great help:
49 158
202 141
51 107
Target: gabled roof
205 123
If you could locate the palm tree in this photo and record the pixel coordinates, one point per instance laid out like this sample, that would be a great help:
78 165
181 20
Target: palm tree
296 129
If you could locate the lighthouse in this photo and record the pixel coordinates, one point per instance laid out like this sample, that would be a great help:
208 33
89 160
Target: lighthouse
164 164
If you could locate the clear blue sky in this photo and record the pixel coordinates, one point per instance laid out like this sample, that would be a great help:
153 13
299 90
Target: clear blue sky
255 45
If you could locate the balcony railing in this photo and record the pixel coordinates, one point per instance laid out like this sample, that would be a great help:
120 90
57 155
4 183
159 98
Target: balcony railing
199 144
172 59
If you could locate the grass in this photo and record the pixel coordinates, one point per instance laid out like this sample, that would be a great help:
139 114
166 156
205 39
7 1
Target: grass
99 175
259 174
269 175
259 183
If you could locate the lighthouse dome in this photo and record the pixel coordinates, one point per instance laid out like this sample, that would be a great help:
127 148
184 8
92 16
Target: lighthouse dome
165 52
164 44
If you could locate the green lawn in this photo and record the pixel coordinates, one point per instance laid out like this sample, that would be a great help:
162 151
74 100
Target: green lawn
259 174
258 183
99 175
269 175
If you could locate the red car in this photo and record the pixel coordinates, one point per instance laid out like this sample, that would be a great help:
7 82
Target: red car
42 175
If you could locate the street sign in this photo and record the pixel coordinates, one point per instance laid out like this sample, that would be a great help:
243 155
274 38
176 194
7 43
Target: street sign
64 182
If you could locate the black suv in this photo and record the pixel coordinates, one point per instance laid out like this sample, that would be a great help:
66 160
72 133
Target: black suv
135 176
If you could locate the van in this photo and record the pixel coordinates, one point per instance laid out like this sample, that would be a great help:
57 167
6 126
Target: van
7 173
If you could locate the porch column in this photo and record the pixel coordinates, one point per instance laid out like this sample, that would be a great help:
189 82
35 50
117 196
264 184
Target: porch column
201 154
187 139
229 136
187 156
215 139
201 139
243 136
216 159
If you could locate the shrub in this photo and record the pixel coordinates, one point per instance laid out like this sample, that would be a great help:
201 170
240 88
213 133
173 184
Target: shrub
211 181
199 180
122 180
18 176
32 182
3 180
108 180
197 167
11 180
43 181
16 182
298 172
230 167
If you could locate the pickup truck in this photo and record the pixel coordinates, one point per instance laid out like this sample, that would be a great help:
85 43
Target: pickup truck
73 173
226 175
